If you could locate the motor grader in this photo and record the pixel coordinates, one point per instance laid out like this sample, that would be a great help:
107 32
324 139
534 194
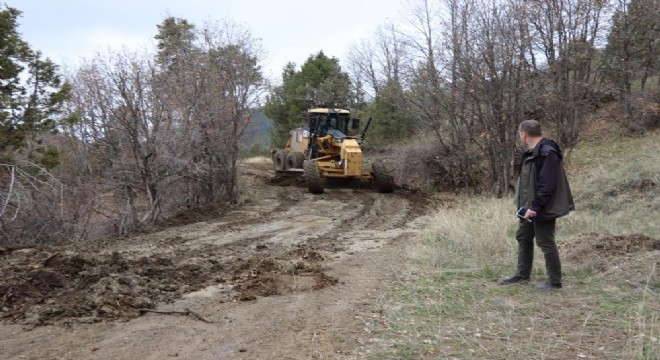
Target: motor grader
322 150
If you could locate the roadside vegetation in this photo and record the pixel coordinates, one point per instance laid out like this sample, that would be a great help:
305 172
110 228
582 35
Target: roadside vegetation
448 303
126 141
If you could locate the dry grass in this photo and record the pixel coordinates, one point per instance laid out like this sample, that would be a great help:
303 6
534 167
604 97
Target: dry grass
478 230
616 185
449 305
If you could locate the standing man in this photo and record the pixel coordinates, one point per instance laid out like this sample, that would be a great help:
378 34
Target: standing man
544 191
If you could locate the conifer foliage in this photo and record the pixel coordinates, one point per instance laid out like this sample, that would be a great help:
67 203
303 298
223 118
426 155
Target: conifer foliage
319 82
31 95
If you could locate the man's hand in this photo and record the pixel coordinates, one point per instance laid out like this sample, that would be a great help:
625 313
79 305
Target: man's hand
529 214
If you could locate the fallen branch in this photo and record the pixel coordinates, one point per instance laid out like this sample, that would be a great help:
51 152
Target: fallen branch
177 312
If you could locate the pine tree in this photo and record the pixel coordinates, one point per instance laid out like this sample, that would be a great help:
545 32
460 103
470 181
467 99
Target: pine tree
319 82
633 43
176 39
32 94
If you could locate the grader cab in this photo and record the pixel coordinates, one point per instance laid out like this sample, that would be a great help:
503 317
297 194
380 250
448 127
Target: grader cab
323 150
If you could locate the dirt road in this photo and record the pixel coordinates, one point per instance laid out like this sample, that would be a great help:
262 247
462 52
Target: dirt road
288 275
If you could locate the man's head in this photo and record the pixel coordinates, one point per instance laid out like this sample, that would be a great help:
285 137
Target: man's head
530 132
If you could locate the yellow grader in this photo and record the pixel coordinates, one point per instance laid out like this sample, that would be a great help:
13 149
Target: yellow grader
323 150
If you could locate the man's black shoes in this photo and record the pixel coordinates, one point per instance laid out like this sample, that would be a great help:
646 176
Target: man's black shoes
515 279
546 286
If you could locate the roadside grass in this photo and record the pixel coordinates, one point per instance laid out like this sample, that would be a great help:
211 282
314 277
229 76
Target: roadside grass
616 184
448 303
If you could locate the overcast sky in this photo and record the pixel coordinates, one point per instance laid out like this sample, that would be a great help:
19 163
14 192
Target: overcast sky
290 30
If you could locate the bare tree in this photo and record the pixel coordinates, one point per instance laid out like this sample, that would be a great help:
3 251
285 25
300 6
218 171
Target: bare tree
508 90
380 61
162 137
564 34
436 94
121 113
218 87
473 70
28 202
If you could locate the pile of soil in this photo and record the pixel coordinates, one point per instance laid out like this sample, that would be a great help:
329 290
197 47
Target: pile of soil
43 286
298 271
599 252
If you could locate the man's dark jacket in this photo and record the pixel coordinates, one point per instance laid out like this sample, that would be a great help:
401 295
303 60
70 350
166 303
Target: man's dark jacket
543 186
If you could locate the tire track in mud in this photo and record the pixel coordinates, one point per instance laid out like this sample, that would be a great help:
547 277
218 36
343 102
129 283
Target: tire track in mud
379 218
365 245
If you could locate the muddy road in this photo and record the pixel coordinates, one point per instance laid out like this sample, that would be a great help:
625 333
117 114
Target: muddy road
287 275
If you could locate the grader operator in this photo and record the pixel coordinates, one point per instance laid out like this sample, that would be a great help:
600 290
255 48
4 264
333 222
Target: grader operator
323 150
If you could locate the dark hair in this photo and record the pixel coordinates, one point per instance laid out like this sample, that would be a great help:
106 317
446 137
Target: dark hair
530 127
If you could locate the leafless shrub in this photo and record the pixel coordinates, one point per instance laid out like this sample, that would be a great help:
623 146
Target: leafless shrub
423 167
641 111
153 140
31 204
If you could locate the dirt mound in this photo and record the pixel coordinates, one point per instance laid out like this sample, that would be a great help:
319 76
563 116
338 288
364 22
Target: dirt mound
40 286
599 252
295 271
639 186
193 215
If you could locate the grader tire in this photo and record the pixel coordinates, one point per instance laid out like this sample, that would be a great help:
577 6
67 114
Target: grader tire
313 177
383 181
294 160
279 160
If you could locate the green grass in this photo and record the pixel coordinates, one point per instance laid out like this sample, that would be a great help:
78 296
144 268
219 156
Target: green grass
449 304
